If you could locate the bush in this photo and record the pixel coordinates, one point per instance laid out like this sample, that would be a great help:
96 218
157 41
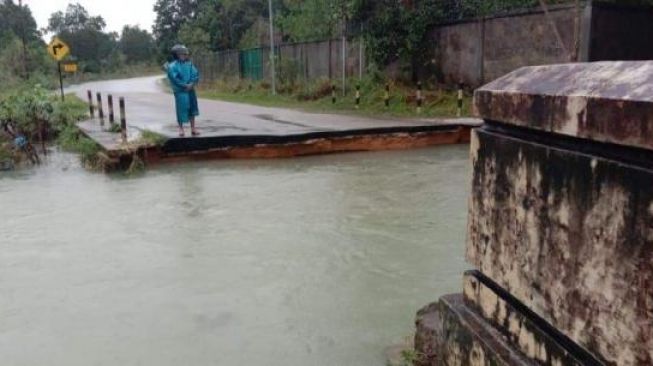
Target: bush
71 139
320 89
36 112
152 138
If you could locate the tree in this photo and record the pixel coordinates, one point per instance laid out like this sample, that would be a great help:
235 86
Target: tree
17 21
86 37
75 19
23 51
171 15
136 44
306 21
206 24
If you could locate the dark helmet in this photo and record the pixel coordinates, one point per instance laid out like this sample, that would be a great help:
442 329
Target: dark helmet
179 49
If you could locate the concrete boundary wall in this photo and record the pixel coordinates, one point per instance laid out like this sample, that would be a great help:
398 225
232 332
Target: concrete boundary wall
476 51
305 61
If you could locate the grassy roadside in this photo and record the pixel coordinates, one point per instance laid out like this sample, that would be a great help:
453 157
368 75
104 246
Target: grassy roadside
126 72
317 98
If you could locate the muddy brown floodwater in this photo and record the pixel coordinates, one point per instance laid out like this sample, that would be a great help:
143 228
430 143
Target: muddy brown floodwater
310 261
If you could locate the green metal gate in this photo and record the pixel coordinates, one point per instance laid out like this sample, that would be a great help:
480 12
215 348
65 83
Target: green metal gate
251 64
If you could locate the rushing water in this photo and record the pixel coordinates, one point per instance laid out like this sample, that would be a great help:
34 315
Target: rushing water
310 261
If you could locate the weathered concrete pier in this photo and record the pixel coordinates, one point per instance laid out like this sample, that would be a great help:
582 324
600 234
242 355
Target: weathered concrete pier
560 224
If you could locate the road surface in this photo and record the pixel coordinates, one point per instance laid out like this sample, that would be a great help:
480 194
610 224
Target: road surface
150 106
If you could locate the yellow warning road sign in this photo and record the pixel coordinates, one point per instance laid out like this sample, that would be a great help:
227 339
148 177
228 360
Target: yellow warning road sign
70 67
58 49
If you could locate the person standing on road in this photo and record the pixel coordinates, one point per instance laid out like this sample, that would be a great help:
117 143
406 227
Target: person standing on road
183 76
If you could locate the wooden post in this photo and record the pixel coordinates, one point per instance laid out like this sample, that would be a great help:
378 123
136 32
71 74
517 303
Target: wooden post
419 97
460 100
123 119
358 96
110 102
90 103
387 95
99 108
333 94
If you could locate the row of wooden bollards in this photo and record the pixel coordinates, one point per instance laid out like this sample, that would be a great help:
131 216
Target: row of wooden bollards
100 110
386 97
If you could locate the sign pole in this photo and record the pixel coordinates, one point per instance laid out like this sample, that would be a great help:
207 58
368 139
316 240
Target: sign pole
272 53
60 80
58 50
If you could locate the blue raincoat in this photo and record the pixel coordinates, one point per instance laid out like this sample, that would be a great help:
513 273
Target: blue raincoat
180 75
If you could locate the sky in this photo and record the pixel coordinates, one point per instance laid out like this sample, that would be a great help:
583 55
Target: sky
116 13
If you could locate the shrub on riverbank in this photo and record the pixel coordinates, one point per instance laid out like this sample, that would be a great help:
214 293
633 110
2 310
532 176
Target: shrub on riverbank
33 114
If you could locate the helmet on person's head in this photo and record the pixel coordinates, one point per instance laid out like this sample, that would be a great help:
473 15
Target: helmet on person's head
179 49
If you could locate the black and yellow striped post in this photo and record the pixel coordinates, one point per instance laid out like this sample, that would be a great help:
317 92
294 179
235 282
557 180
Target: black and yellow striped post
123 119
419 97
460 100
99 108
358 96
90 103
110 104
387 95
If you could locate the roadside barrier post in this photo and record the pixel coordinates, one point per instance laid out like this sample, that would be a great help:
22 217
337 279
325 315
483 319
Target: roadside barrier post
419 97
110 102
90 103
333 94
460 100
358 96
99 108
123 119
387 95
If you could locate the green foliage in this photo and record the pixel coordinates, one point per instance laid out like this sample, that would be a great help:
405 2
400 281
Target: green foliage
306 21
137 45
114 128
98 51
6 151
288 71
17 21
316 96
207 24
171 15
409 357
68 112
196 38
20 64
71 139
27 109
152 138
30 111
95 49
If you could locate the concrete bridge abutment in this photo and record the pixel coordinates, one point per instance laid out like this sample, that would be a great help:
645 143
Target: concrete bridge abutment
560 224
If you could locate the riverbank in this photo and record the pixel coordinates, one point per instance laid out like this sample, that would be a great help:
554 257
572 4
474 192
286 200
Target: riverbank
32 118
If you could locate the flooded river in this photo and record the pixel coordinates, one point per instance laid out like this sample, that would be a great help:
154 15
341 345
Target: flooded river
310 261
